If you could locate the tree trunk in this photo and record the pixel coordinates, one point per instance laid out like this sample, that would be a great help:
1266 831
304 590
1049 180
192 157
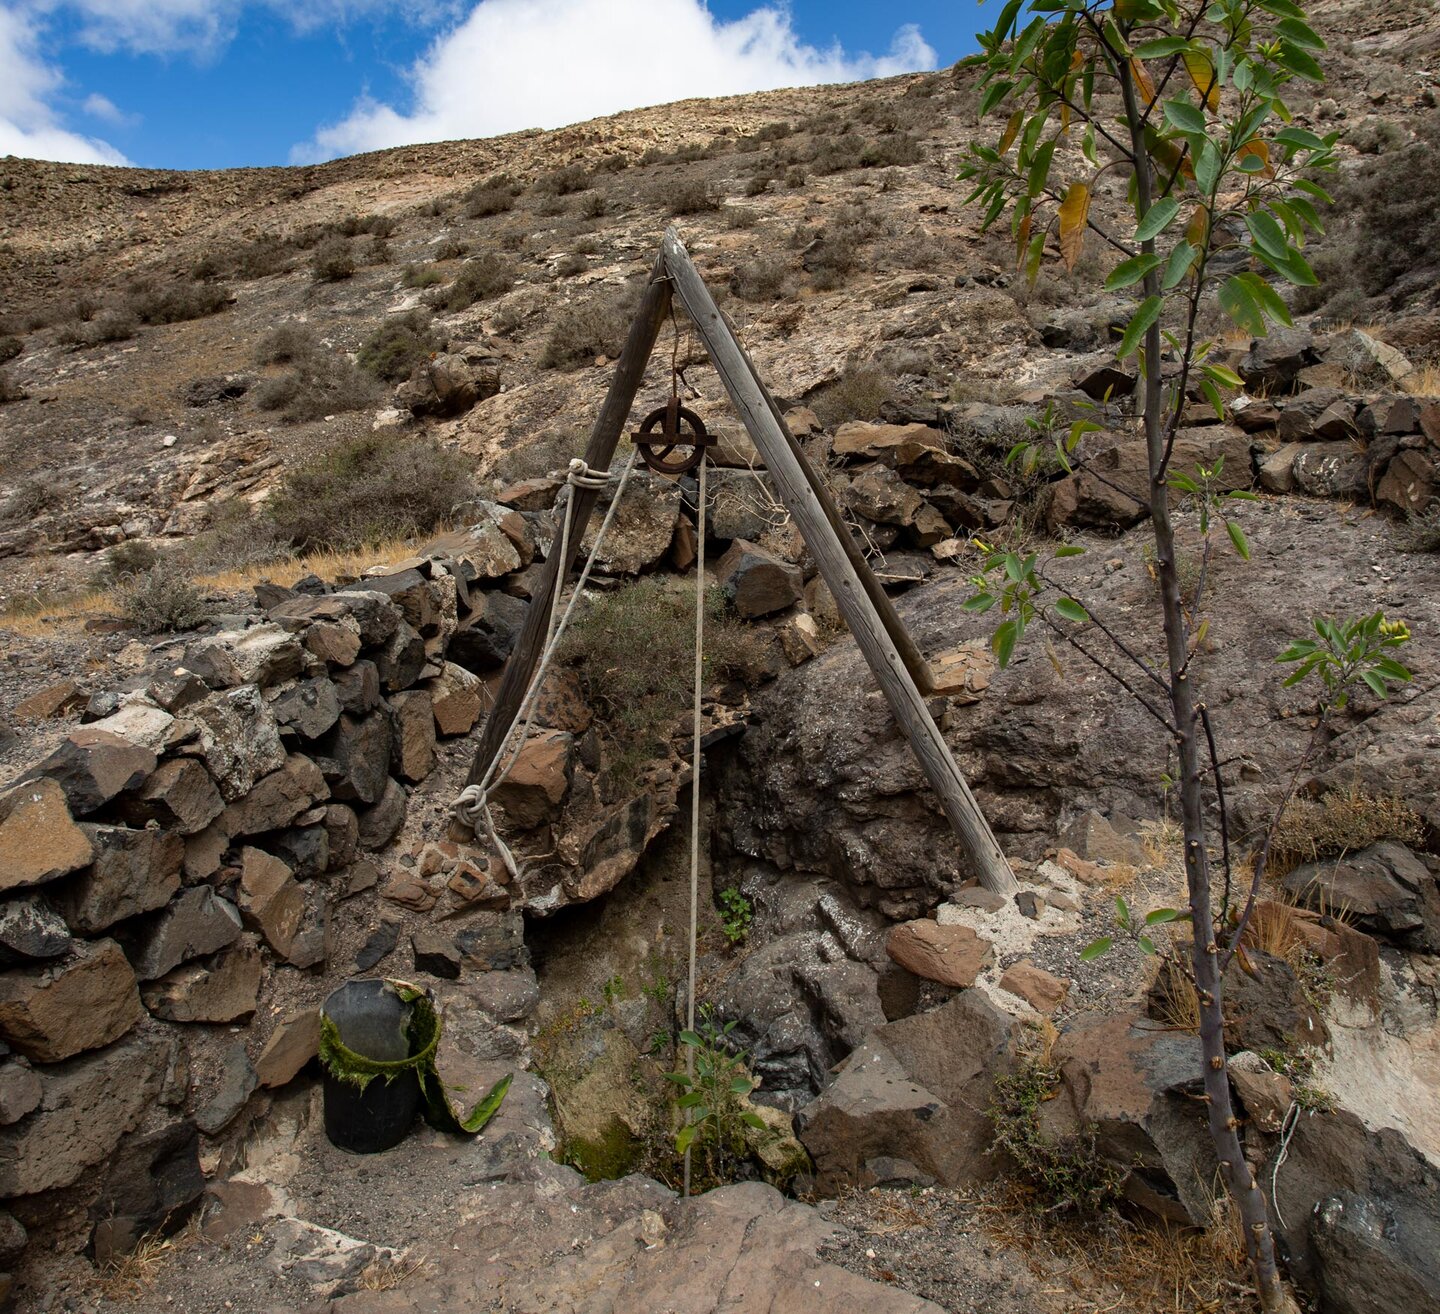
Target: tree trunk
1205 955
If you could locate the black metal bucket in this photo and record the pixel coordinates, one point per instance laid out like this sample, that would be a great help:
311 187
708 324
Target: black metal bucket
373 1021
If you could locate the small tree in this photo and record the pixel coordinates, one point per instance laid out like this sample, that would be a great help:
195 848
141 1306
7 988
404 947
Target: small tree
1183 99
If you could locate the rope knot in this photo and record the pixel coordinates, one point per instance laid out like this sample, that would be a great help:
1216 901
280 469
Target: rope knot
582 476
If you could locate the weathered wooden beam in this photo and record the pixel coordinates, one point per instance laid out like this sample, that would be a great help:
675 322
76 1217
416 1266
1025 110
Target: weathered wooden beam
599 452
787 469
905 645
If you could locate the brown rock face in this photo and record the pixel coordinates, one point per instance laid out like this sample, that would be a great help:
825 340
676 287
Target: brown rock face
293 1043
38 838
455 700
759 582
270 899
82 1003
535 788
1037 987
224 991
198 922
178 794
90 1103
412 755
277 799
134 871
92 766
915 1089
952 955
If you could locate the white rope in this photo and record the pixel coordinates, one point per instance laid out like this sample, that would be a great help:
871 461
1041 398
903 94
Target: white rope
695 785
472 807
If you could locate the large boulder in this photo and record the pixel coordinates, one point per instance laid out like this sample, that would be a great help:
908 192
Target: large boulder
82 1002
758 582
640 534
178 795
951 955
198 922
223 988
1274 362
90 1103
239 739
39 839
449 384
1385 889
1357 1213
134 871
1132 1086
916 1089
265 654
534 788
149 1184
92 766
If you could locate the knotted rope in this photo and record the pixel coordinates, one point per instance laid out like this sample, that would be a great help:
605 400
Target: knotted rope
472 807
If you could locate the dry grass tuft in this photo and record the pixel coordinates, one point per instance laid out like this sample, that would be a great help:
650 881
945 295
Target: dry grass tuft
128 1277
1174 1002
387 1275
1340 823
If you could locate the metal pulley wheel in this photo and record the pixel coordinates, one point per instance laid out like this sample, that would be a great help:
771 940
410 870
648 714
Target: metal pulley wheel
680 443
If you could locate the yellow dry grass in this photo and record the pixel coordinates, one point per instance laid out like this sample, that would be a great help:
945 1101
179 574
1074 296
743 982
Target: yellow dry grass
387 1275
69 613
1424 382
130 1276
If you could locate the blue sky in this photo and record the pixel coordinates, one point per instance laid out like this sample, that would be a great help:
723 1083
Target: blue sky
218 83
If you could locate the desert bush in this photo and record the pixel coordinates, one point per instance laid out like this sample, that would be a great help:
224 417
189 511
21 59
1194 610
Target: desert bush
795 177
572 264
316 385
260 258
32 497
421 276
1067 1172
857 394
163 599
376 251
551 207
1384 231
125 561
235 536
1338 823
175 302
757 184
691 197
333 261
286 343
480 279
401 343
593 205
617 163
452 248
583 330
540 455
1419 531
565 181
836 154
633 650
739 217
765 278
1372 135
10 391
891 152
114 325
367 490
491 197
10 347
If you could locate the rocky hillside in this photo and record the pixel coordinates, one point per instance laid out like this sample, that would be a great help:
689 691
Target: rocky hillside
281 459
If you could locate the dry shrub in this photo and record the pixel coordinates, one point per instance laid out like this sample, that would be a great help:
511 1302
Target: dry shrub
286 343
316 385
402 342
593 205
491 197
541 455
1340 823
1172 998
10 391
587 329
372 488
478 280
1419 531
10 347
33 497
857 394
163 599
765 278
634 651
563 182
333 261
415 275
116 324
693 197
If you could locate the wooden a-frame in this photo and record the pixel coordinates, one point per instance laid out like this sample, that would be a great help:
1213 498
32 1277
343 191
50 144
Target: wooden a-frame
901 670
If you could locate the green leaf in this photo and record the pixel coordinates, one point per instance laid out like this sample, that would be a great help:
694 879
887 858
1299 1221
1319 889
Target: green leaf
1095 949
1299 62
753 1120
1223 375
1147 944
741 1085
1072 610
1002 642
693 1100
1237 301
1237 537
1129 272
1377 685
1268 235
1162 915
980 603
1069 550
1267 298
1157 218
1294 267
1184 116
1181 258
691 1039
1122 910
1161 48
994 94
1140 323
685 1137
1212 395
1040 169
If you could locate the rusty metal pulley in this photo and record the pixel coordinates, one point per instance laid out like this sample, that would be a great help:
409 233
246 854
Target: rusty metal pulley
679 429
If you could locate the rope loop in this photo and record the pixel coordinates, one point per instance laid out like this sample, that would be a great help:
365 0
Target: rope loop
582 476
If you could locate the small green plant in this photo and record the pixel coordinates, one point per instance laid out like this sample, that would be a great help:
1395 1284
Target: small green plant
1299 1066
1067 1173
482 279
333 260
735 914
713 1086
401 343
613 990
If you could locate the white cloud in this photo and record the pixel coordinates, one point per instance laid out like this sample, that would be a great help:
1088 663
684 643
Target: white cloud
516 64
102 107
28 125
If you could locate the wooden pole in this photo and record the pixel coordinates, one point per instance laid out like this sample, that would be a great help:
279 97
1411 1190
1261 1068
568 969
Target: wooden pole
600 451
787 470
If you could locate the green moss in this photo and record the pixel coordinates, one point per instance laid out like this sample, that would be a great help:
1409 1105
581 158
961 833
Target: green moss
613 1155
